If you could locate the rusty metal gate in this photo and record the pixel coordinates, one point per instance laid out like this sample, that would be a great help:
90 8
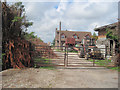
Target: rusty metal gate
49 56
65 57
73 60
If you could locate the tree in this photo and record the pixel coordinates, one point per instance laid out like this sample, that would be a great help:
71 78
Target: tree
94 36
53 42
110 34
15 48
14 18
31 35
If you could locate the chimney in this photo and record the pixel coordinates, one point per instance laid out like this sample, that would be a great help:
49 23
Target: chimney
60 26
60 34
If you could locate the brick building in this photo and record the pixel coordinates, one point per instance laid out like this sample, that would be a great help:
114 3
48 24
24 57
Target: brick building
104 41
61 35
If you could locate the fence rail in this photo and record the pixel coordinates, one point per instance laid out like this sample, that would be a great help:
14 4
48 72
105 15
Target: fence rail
63 57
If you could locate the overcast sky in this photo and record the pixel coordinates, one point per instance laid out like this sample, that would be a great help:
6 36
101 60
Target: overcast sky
76 16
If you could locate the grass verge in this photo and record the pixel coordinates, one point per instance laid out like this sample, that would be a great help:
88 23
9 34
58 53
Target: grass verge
47 67
101 62
105 63
42 61
114 68
74 51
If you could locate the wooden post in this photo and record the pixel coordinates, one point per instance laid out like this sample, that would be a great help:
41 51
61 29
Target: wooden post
105 51
113 48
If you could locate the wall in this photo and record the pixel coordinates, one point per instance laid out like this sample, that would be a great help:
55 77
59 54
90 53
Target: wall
101 34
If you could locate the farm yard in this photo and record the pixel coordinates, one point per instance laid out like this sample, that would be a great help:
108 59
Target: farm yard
74 59
60 78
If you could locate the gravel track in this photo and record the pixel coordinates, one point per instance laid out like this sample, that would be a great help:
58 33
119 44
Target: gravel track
59 78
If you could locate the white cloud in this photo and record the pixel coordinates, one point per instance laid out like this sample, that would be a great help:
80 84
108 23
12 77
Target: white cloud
61 0
81 16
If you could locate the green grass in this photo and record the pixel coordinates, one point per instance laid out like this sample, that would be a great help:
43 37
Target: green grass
105 63
114 68
44 61
41 59
38 61
101 62
59 50
47 67
74 51
66 51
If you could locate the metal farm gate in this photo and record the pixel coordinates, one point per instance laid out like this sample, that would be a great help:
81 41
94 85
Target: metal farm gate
62 56
50 56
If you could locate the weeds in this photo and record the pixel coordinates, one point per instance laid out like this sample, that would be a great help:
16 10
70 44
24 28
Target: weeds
47 67
105 63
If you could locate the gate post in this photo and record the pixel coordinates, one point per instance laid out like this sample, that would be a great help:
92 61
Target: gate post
49 54
93 62
66 57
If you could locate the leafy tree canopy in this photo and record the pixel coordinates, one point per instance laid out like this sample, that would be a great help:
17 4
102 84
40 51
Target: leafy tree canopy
32 36
94 36
111 35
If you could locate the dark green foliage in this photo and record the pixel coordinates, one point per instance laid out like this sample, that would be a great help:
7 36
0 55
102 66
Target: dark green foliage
111 35
94 36
53 42
17 19
15 49
13 17
27 24
102 62
32 36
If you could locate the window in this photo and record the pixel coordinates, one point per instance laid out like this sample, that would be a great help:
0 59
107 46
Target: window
62 36
75 36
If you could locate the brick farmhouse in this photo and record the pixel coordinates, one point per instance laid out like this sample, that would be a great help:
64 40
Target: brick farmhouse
62 35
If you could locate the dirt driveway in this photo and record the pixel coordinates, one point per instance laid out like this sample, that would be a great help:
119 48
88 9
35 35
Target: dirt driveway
60 78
